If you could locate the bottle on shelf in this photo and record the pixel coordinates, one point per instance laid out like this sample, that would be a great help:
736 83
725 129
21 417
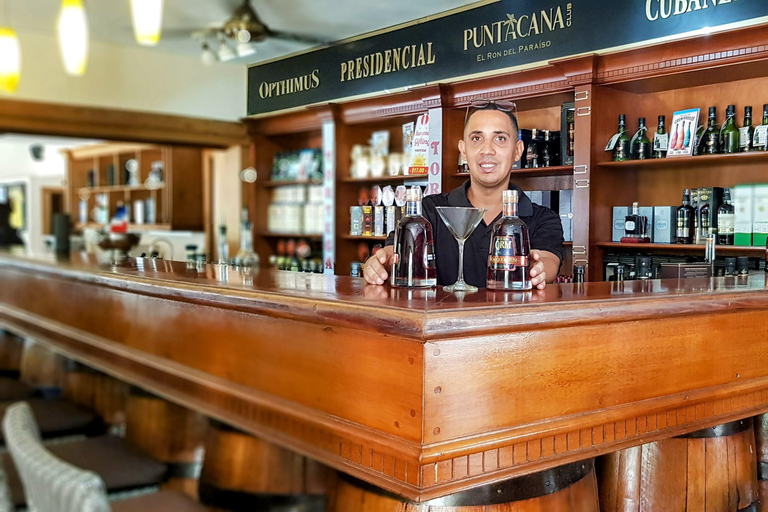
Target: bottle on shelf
704 210
725 220
710 140
640 144
685 220
696 217
546 157
463 167
621 150
223 245
510 249
729 133
660 140
635 225
245 256
414 265
746 132
532 157
762 143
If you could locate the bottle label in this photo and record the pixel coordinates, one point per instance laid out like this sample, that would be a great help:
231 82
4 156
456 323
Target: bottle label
744 138
503 256
621 151
683 226
612 143
661 142
629 226
761 136
725 223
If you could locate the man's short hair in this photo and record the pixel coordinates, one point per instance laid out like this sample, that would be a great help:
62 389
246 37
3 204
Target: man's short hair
493 106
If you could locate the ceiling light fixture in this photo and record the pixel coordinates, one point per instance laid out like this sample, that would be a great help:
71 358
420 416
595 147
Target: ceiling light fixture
147 21
225 52
245 50
208 56
73 36
10 60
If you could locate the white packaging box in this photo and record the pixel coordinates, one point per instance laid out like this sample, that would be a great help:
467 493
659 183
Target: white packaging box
743 196
760 214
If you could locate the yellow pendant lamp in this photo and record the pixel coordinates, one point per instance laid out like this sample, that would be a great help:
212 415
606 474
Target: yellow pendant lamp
10 60
73 36
147 21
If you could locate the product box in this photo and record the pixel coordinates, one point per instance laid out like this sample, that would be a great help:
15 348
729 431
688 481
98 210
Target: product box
619 216
743 199
760 215
664 224
566 214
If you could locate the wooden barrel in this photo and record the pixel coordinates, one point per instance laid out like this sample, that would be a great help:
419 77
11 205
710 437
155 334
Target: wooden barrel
42 368
243 473
761 442
711 470
11 350
569 488
168 433
94 390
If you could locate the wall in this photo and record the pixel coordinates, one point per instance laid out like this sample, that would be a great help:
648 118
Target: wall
132 78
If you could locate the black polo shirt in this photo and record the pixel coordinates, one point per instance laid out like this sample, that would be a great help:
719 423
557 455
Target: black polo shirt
544 229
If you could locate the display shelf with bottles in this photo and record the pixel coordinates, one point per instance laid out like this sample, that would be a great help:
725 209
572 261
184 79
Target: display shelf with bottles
102 176
730 250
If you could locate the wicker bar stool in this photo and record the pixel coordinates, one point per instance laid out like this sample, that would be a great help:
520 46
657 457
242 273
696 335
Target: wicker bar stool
53 485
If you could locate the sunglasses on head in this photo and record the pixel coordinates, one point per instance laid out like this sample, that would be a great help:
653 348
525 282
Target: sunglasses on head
485 104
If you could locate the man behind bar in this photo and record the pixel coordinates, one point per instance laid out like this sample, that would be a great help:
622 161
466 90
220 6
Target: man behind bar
491 146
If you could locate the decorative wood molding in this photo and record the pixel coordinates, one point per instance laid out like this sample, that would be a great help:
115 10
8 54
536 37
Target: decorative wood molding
121 125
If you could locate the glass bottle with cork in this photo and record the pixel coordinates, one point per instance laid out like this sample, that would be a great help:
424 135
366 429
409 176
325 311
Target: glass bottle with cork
660 140
640 144
509 253
621 148
729 133
414 262
685 220
746 132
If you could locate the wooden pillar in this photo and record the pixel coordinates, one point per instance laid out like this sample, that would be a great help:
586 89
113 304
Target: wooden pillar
761 441
170 434
243 473
11 350
569 488
96 391
42 368
712 470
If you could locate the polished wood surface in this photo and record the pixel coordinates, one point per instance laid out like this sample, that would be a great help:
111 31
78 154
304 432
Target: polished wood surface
97 392
423 393
714 474
11 352
41 367
761 442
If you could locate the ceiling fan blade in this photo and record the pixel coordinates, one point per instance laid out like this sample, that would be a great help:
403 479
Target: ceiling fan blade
300 38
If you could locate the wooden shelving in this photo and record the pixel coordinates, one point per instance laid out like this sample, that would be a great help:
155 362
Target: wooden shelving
273 184
386 179
689 161
564 170
271 234
364 238
120 188
731 250
131 227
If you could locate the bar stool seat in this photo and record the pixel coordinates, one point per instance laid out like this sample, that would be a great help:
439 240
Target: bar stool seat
58 418
121 466
163 500
13 390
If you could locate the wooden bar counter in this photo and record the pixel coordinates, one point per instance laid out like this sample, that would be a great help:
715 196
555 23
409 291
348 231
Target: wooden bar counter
422 393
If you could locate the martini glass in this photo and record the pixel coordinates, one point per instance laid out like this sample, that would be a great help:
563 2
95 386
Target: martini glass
461 221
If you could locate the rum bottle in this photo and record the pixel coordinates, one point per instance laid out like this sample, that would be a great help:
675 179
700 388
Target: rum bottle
746 132
685 220
414 265
729 133
508 255
532 154
621 151
660 140
640 144
725 220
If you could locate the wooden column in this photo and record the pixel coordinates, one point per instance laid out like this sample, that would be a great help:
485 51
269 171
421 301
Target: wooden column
41 367
11 350
711 470
96 391
242 472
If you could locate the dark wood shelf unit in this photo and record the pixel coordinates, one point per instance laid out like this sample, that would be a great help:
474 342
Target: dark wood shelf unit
271 234
364 238
700 161
730 250
288 183
386 179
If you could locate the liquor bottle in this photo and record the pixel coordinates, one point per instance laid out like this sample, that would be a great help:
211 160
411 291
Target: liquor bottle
510 249
710 141
546 158
729 133
704 214
746 132
763 146
725 220
414 265
685 220
245 256
635 224
660 140
697 143
223 245
532 154
621 151
640 144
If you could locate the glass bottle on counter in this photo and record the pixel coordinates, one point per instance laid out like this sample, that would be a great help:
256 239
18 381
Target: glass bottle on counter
223 245
414 265
729 133
621 151
660 140
710 140
725 220
746 132
532 159
640 144
685 220
510 249
245 256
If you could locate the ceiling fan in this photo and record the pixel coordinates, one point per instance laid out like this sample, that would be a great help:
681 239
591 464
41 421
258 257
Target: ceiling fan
237 35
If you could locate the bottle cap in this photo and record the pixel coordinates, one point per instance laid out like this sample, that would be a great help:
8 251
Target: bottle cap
622 118
731 109
748 111
713 111
765 108
662 119
414 194
509 196
641 121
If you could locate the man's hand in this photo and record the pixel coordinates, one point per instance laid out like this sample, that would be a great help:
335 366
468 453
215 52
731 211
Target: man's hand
545 264
375 271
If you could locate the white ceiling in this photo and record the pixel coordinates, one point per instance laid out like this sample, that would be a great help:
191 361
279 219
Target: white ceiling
109 20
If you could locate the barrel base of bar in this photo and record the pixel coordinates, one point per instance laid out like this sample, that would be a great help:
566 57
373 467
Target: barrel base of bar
569 488
244 501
